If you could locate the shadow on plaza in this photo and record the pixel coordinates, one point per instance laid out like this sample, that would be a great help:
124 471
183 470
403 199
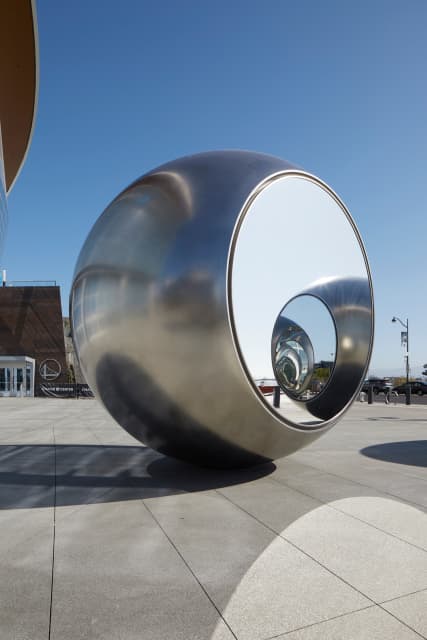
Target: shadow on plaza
88 474
411 452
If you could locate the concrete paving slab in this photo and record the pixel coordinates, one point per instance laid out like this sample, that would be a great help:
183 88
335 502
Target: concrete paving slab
262 585
270 502
25 585
396 484
369 624
116 568
218 540
211 555
369 505
343 453
363 556
412 610
391 516
321 485
27 476
20 527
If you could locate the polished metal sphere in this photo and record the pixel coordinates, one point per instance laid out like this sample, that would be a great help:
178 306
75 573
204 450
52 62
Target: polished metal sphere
181 287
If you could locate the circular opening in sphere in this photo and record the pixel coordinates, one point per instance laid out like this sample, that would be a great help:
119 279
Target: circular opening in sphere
303 347
295 246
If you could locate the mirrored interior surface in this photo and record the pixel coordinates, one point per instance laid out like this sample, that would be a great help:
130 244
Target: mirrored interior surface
303 349
292 359
293 236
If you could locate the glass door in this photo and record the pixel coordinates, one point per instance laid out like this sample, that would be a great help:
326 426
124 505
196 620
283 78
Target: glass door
18 382
5 380
28 379
17 377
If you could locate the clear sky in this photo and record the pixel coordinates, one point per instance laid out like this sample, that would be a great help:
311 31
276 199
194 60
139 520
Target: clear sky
337 87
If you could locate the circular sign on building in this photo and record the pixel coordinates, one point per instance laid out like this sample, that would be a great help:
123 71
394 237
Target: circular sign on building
50 369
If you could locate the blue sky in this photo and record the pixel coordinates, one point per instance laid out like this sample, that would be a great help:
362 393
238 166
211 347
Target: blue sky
336 87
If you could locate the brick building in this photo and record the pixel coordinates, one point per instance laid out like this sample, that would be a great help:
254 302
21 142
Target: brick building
31 338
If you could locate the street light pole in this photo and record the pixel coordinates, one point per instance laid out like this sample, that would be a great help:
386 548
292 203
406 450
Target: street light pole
407 351
406 326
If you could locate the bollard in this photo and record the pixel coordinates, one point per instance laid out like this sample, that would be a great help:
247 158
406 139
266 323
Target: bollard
408 394
276 397
370 394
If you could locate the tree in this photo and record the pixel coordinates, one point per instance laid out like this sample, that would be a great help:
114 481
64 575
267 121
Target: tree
71 376
321 374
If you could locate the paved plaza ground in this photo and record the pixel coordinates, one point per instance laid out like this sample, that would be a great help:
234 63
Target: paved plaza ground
102 538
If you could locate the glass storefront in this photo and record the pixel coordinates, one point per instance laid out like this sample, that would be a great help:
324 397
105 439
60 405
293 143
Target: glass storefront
5 379
17 376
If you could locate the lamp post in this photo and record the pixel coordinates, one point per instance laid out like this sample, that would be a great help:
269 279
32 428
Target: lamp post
406 326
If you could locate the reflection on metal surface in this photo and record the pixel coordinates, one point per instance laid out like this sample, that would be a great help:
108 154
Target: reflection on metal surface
349 302
293 357
171 321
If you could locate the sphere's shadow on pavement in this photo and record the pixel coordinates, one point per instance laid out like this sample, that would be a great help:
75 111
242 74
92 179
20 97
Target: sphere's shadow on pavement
411 452
45 475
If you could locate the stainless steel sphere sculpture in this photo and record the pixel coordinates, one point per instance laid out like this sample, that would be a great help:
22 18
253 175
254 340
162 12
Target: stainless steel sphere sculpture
212 272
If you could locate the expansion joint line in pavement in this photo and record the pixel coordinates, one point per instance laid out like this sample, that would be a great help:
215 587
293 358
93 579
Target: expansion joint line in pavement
54 532
320 622
189 569
328 569
325 503
356 482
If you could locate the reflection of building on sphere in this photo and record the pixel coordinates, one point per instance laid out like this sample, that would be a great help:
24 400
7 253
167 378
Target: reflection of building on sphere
190 298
